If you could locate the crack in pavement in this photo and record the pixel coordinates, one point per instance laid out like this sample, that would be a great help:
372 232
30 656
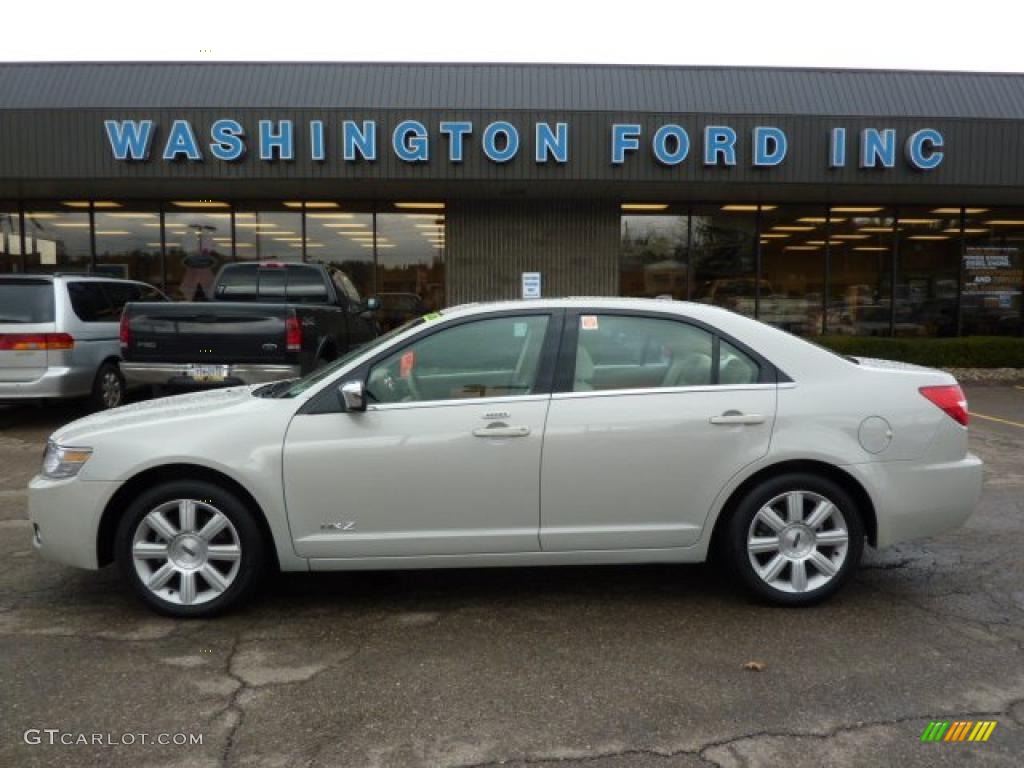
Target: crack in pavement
700 752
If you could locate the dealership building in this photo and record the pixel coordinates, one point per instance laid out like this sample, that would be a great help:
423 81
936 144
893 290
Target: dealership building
824 201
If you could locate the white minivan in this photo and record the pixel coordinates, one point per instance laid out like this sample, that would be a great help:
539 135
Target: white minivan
59 336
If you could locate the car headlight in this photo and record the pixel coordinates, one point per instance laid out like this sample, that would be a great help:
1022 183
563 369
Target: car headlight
60 462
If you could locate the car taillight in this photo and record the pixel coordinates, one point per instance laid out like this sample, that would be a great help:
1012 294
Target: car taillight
293 334
125 332
24 342
949 398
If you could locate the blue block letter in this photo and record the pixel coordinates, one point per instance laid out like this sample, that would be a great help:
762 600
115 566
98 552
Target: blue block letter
552 144
455 132
511 141
625 138
719 141
227 141
770 146
680 140
410 142
129 139
878 147
924 149
364 141
181 141
283 140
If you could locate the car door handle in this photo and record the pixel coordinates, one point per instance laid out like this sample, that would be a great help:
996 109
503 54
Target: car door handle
733 417
501 431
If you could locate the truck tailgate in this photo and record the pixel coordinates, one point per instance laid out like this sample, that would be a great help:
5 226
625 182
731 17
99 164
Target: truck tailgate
201 332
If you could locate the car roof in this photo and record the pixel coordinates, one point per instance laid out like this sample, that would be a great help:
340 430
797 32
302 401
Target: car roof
688 308
51 276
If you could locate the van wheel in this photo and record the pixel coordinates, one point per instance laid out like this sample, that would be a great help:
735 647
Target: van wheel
189 548
795 539
108 389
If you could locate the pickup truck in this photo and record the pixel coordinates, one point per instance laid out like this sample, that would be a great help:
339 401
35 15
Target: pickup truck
266 321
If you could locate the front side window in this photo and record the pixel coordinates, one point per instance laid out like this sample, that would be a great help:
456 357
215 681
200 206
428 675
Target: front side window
495 357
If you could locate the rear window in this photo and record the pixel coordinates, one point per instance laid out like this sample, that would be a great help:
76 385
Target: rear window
26 301
295 283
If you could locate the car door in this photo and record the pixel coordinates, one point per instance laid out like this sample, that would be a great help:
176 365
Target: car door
445 460
650 417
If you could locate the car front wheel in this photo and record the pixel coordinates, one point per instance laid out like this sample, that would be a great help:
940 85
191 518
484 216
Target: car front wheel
795 539
189 548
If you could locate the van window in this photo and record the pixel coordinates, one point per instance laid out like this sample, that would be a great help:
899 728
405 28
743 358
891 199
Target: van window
26 301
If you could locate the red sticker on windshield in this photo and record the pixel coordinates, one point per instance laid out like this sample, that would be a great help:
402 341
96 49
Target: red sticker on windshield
406 363
588 322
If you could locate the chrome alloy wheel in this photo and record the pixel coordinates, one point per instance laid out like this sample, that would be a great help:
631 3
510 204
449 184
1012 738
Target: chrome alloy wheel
186 552
111 392
798 541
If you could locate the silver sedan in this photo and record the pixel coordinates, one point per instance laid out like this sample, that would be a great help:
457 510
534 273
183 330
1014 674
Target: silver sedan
547 432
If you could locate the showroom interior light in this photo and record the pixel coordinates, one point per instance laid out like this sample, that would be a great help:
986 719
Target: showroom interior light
855 209
200 204
644 206
420 206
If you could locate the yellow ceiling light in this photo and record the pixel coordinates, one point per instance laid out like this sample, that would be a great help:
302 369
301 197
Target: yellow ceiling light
802 247
330 216
918 221
132 216
773 235
792 228
312 245
851 237
157 245
41 216
112 232
244 245
928 237
644 206
855 209
956 211
1006 222
352 225
85 204
747 207
310 204
878 229
253 225
288 239
199 204
820 220
428 226
439 217
420 206
72 224
967 230
870 248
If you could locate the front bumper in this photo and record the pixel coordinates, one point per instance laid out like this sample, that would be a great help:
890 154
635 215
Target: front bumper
57 382
915 500
66 518
177 374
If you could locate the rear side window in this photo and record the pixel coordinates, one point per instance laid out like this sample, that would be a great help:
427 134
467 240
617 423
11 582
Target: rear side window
149 293
736 367
295 283
622 352
26 301
120 294
90 303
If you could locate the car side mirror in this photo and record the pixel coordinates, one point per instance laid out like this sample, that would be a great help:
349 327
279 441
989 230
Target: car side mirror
352 395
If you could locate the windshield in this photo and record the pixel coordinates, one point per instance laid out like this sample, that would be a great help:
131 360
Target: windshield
311 379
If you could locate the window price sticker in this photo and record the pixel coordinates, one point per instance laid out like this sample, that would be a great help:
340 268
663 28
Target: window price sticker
588 322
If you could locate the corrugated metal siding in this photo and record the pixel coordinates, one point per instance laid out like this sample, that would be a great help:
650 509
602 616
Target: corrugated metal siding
512 87
491 243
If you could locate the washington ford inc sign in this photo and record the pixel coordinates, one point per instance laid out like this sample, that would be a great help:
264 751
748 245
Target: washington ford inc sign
500 141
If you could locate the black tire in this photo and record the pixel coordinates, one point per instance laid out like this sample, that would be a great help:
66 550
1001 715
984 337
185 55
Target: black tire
108 388
820 585
243 529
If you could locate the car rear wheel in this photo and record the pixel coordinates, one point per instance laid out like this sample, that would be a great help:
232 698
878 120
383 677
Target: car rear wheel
795 539
108 389
190 548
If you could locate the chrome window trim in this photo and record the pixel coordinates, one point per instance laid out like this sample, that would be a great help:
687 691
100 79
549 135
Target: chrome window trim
462 401
664 390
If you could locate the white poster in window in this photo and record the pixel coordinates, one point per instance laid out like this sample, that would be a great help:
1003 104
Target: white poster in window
47 250
531 285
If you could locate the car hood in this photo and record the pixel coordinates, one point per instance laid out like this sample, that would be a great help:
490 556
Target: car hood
198 406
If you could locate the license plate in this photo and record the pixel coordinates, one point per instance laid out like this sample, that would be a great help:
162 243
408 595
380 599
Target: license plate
207 374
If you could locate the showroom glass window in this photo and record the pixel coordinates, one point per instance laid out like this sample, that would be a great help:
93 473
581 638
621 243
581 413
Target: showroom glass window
10 238
128 240
410 246
653 254
993 271
723 242
272 231
57 236
927 271
860 268
793 242
342 235
198 242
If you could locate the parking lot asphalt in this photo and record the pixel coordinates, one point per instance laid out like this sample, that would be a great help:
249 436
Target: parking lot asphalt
601 667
